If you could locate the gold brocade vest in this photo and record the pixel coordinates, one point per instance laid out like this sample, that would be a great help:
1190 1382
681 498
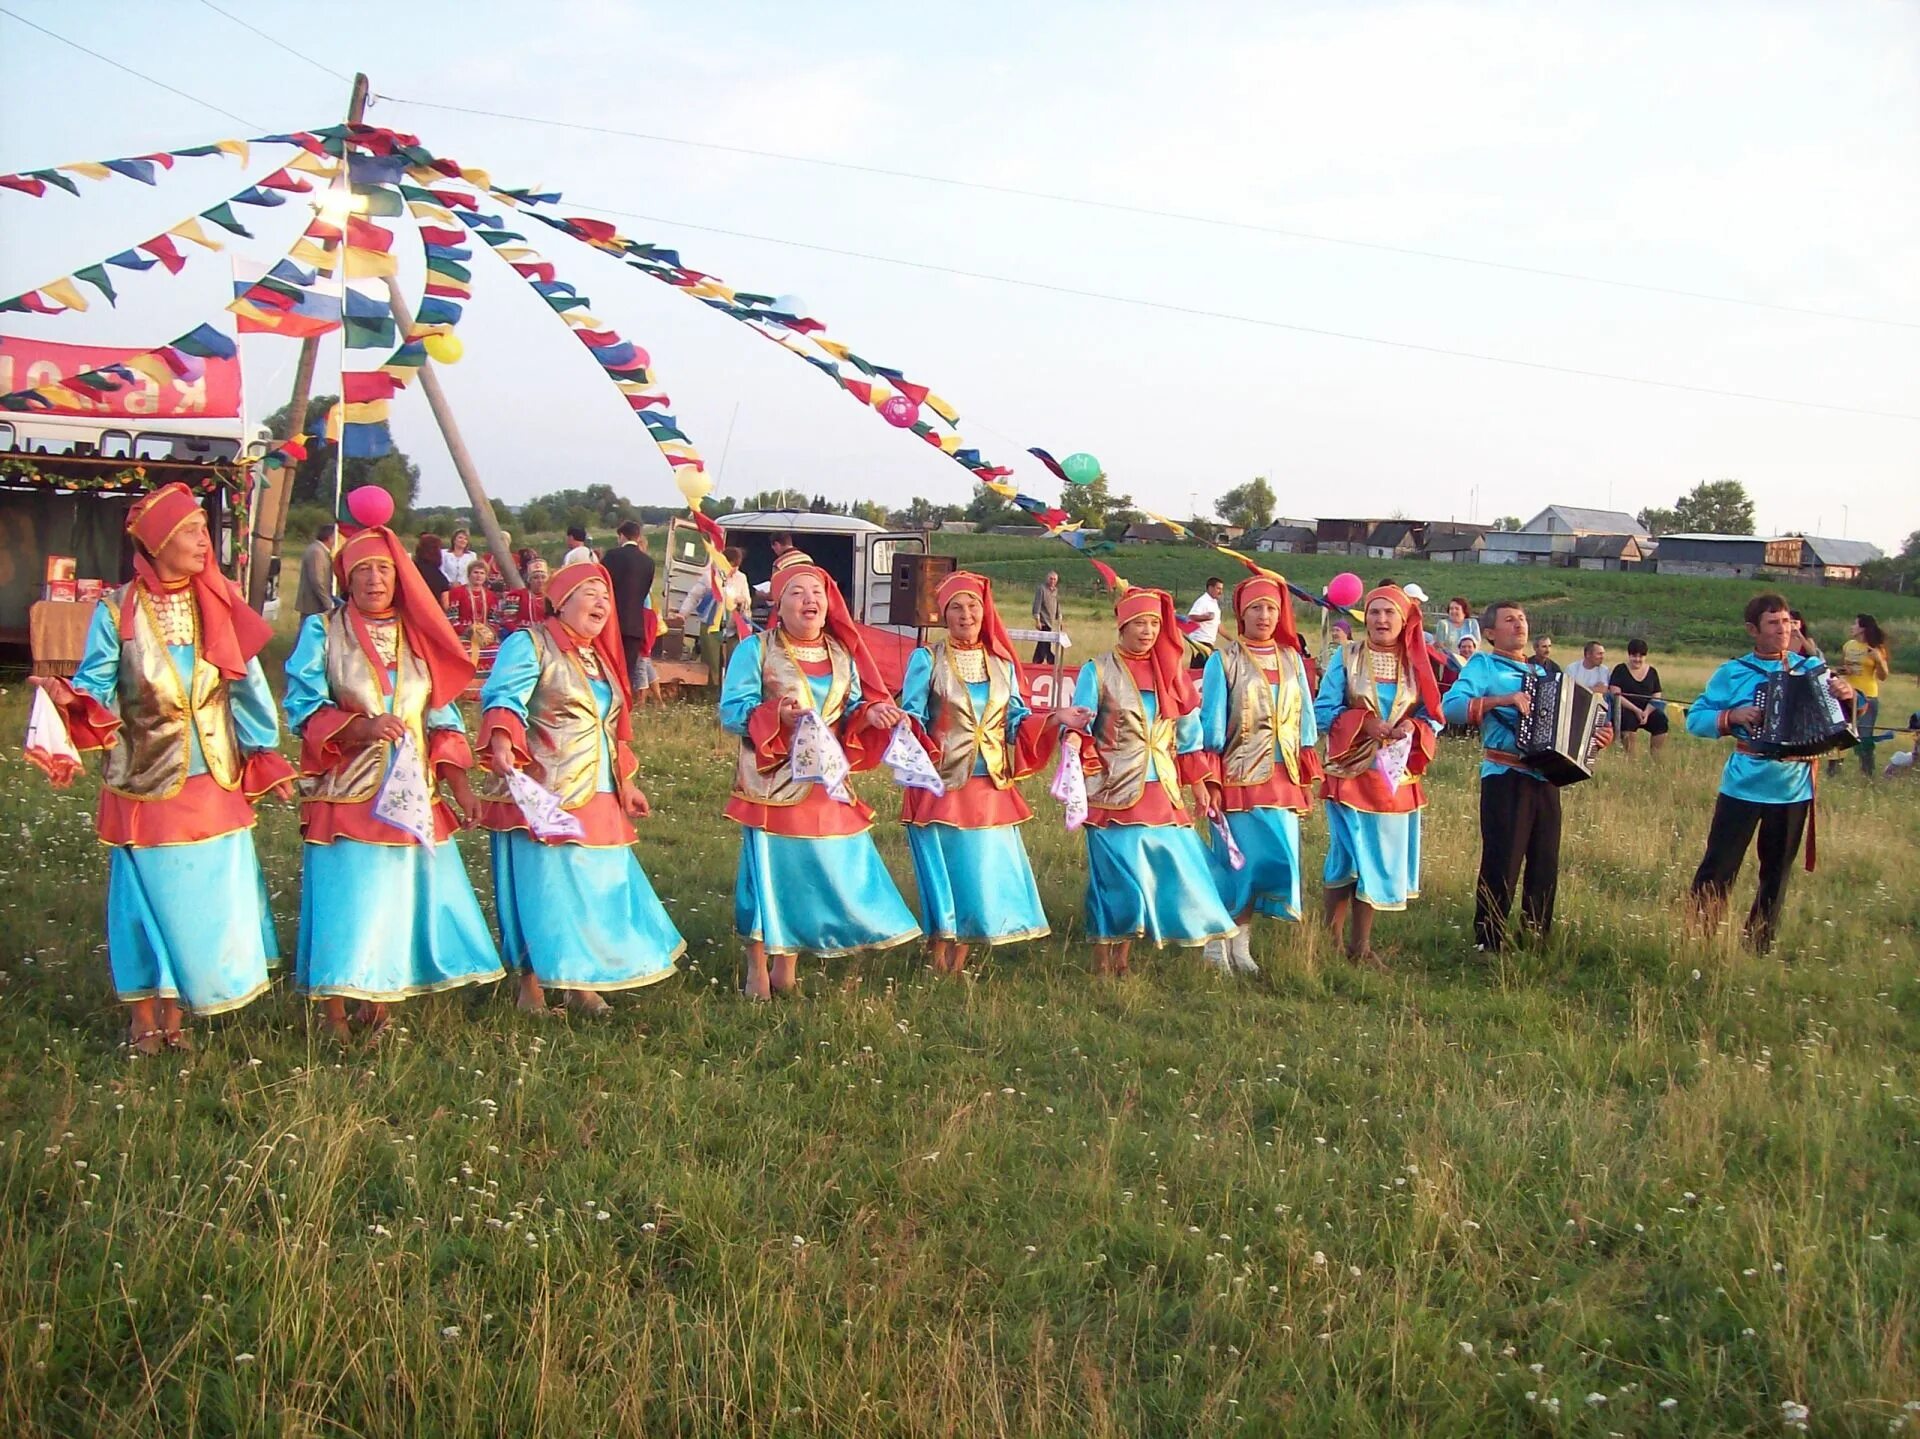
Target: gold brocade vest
153 752
963 735
564 726
780 675
1259 721
1125 741
1357 661
353 686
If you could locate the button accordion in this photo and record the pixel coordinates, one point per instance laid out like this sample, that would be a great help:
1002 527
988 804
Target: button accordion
1556 735
1799 716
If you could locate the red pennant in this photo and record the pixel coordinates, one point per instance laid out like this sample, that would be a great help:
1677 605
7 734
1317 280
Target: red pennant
710 528
25 183
640 402
859 389
365 235
173 360
32 301
162 159
356 388
434 235
273 299
161 248
541 271
281 180
455 200
917 393
591 229
324 232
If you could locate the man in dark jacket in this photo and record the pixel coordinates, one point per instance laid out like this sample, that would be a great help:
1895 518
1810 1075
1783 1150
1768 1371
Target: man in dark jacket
632 570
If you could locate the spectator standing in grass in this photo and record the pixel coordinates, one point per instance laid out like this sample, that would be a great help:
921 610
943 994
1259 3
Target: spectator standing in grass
1543 655
315 596
578 551
1046 615
1458 624
1863 660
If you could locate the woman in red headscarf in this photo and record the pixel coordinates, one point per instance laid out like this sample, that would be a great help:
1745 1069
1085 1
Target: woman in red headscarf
1146 871
386 908
170 689
976 884
576 912
1379 706
810 878
1256 713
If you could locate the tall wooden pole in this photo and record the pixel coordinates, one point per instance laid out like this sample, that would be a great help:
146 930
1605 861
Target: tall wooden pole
457 449
276 490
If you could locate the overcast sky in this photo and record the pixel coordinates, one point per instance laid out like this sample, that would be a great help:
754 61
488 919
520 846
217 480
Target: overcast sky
1766 152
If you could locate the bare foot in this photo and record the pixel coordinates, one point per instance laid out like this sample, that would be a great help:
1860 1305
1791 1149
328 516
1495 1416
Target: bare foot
756 987
784 972
179 1039
336 1028
588 1003
531 999
1368 960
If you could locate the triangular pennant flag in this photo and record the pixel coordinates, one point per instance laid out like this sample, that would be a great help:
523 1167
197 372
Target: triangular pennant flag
162 249
308 163
222 215
368 264
28 185
89 168
206 342
141 170
130 260
281 180
189 229
54 177
96 276
254 195
66 292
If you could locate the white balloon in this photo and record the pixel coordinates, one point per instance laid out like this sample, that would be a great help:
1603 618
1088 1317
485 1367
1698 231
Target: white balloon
791 305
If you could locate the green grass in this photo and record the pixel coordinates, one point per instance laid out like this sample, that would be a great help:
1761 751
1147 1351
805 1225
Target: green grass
1629 1164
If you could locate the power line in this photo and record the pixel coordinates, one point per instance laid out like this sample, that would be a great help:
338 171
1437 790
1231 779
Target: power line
1258 320
1183 216
297 54
128 69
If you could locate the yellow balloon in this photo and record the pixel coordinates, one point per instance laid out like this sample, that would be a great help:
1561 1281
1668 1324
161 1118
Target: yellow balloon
447 349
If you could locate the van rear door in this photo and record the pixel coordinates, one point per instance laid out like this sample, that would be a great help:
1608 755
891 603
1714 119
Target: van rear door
686 564
875 601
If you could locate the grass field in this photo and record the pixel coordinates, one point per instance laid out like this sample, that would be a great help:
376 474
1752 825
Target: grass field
1630 1183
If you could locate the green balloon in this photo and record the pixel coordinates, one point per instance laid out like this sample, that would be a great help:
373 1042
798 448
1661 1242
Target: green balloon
1082 469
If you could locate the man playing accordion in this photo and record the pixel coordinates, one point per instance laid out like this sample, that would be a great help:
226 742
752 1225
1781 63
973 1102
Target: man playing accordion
1519 806
1773 795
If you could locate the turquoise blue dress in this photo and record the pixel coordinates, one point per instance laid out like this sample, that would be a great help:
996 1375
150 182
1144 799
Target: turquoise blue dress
1150 880
1379 854
580 916
1269 834
825 895
976 883
187 922
381 922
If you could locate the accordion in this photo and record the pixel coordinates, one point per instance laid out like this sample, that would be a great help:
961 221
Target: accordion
1555 736
1799 717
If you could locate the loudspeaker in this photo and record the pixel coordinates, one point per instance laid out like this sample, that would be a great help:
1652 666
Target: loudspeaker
916 581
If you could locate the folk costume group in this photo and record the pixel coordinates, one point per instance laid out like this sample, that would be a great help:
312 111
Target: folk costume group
171 690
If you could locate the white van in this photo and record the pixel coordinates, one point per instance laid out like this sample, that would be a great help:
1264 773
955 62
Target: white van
857 553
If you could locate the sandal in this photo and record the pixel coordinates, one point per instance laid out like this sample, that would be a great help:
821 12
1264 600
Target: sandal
146 1043
178 1039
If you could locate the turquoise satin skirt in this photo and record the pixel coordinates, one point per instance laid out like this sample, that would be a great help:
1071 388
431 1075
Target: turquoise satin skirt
818 896
388 921
1269 882
1378 852
190 922
976 885
578 916
1150 881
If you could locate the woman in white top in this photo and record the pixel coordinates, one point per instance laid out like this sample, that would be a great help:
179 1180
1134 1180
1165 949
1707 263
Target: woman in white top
456 561
1458 624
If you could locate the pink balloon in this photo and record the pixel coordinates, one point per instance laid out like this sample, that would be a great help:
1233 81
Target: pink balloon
900 410
1344 589
370 505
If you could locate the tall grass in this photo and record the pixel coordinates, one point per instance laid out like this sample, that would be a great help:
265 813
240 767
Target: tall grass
1629 1182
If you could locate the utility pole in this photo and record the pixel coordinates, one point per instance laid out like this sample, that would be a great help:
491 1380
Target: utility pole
276 490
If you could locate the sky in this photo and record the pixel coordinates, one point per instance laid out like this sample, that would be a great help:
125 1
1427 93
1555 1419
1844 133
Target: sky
1764 153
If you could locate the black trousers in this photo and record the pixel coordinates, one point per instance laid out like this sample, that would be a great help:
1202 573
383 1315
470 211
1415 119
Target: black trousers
1781 828
1519 828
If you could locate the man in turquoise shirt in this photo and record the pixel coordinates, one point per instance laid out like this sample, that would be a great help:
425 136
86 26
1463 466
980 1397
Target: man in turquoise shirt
1773 796
1519 807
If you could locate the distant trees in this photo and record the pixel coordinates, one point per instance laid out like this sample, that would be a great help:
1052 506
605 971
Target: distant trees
1508 523
1250 506
1712 507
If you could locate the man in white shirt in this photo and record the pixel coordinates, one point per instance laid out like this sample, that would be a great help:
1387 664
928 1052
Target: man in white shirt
1592 672
577 552
1205 633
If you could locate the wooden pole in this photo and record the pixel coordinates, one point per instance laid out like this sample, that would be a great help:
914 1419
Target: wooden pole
270 521
457 448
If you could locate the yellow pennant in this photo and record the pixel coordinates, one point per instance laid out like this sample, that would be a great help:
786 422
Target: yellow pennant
308 252
941 408
369 264
236 148
424 211
152 366
66 292
367 412
313 164
189 229
91 169
479 179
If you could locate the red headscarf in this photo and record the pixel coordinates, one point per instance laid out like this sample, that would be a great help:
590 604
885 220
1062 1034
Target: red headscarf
606 644
1267 587
840 624
1168 657
993 630
230 632
1413 643
429 632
